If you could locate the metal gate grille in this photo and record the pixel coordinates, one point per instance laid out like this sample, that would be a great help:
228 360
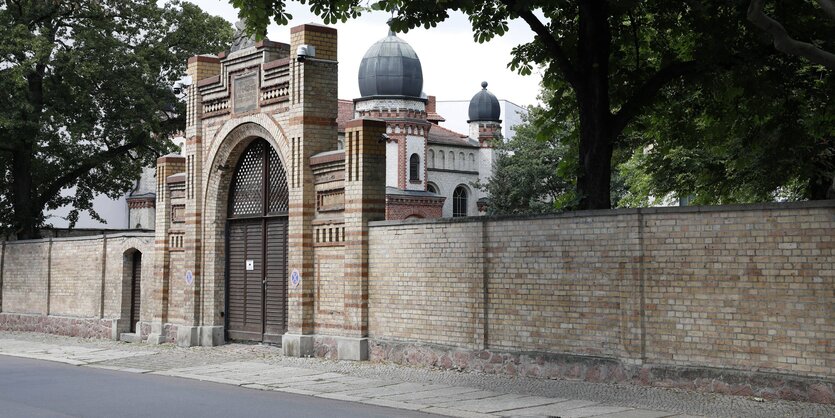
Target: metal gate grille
256 291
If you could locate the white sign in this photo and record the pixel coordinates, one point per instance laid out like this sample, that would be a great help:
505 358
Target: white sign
295 278
189 277
250 265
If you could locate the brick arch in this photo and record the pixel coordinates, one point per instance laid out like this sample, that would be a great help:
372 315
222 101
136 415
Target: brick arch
224 153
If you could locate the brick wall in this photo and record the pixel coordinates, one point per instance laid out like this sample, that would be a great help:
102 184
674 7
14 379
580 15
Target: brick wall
644 295
71 285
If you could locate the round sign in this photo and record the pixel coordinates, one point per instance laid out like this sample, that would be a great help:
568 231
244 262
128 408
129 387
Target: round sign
295 278
189 277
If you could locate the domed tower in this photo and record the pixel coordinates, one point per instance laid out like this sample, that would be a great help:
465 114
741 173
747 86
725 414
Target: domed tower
485 112
391 87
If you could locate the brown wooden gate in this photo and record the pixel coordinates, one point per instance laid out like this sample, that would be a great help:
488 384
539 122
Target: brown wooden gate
135 289
256 268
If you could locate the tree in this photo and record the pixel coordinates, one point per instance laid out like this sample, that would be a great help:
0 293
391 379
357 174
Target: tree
784 42
87 97
527 178
614 57
733 138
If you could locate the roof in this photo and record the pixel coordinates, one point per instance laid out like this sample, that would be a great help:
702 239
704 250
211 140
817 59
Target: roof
484 106
390 67
443 136
394 191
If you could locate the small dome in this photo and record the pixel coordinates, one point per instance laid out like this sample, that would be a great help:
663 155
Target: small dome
484 106
390 68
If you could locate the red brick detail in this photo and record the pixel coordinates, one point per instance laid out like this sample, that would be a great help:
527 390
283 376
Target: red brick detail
312 120
404 207
141 202
204 58
175 159
276 63
208 80
310 27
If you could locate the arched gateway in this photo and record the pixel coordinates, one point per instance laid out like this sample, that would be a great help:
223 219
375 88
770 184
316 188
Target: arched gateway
256 243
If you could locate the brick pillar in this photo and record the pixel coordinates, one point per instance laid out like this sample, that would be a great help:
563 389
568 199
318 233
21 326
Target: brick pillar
365 200
166 166
311 129
188 334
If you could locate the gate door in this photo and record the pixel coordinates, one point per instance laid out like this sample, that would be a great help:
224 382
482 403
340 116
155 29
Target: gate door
135 288
256 242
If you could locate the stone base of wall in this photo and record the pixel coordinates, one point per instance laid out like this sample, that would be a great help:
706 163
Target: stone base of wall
766 385
326 347
60 325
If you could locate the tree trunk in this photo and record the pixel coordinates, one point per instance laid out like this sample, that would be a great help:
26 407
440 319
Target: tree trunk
596 142
26 212
27 208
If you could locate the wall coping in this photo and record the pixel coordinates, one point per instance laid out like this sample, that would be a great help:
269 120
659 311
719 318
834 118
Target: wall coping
811 204
143 234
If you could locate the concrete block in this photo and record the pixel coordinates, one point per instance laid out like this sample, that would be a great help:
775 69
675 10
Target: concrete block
211 336
130 337
296 345
187 336
117 327
352 348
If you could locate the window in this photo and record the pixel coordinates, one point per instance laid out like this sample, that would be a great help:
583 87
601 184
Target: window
414 167
430 159
451 160
431 188
459 202
461 161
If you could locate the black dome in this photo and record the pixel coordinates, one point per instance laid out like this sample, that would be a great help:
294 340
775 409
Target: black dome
390 68
484 106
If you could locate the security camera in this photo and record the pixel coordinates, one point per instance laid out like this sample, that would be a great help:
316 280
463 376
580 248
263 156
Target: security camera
182 84
305 51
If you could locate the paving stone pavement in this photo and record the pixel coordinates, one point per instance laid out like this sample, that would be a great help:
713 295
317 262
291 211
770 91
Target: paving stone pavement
443 392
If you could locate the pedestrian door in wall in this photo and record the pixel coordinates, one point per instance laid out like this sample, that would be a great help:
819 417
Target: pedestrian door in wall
135 288
256 247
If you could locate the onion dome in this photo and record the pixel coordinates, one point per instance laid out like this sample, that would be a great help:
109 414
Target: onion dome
484 106
390 67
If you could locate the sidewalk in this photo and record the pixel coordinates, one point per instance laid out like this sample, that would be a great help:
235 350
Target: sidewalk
442 392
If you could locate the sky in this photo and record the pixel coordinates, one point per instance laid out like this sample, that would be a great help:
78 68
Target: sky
454 65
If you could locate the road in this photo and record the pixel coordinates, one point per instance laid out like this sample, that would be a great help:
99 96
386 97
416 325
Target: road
35 388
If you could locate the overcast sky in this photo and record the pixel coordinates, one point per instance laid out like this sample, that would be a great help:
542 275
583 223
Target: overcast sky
453 64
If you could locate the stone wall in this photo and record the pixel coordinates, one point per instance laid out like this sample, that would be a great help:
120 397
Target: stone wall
77 286
735 299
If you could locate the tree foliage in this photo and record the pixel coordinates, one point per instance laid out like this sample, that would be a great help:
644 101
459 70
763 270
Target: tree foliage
527 178
611 61
87 97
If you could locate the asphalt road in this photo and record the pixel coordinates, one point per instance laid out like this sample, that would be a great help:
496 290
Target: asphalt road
34 388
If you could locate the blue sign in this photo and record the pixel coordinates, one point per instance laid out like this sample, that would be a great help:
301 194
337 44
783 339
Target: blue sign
295 278
189 277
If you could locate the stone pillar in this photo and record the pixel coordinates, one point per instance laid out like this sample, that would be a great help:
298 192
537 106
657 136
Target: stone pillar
189 332
166 166
365 200
312 129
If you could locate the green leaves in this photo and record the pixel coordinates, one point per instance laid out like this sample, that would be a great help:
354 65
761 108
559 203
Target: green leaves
89 90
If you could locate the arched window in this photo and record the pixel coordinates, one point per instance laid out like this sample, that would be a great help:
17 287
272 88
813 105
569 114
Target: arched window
430 156
459 202
451 160
472 162
461 161
431 188
441 160
414 167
